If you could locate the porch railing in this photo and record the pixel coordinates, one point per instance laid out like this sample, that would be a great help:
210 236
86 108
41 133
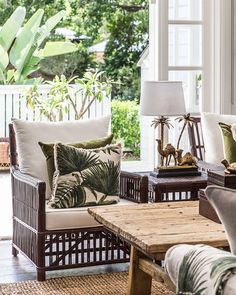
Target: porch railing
13 105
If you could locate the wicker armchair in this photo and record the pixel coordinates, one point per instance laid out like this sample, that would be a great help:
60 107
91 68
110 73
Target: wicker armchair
63 248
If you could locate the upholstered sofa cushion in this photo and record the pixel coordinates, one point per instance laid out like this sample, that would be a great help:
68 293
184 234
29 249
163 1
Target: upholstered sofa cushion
73 217
85 177
48 150
224 202
229 143
174 258
28 134
212 136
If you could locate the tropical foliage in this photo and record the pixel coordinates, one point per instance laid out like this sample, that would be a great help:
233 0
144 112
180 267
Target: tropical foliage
62 96
205 270
85 177
125 124
122 23
23 46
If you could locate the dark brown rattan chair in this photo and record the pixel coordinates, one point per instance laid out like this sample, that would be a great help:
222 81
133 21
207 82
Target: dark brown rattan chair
62 249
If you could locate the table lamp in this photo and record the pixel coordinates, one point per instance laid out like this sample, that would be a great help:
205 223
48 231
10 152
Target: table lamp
162 99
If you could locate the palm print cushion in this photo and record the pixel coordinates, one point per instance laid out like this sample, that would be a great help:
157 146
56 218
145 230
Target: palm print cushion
200 269
85 177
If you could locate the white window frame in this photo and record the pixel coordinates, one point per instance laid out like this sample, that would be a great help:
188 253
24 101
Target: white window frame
218 63
217 56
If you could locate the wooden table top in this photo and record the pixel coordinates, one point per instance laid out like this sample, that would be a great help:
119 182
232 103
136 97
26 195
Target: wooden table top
154 228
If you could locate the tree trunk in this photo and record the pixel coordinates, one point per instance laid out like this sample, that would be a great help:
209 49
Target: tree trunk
181 134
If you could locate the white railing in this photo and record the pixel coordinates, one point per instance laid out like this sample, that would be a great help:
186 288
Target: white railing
13 105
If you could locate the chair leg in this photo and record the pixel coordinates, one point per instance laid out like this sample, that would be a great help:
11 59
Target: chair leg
41 275
14 251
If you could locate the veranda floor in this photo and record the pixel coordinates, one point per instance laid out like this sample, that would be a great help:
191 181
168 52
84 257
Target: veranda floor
15 269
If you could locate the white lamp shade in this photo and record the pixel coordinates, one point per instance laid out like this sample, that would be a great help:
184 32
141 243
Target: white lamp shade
162 98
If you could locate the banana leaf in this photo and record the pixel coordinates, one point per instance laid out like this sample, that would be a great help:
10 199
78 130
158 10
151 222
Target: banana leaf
31 62
2 77
10 76
4 60
11 27
24 41
49 26
56 48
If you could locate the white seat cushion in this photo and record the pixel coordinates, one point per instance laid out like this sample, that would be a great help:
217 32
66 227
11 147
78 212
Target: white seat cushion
212 136
73 217
30 156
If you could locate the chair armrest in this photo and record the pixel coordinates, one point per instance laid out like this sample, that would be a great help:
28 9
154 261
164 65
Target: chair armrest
134 187
195 263
28 195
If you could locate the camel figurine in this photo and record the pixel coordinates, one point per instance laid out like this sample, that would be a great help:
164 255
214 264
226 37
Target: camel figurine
187 159
167 153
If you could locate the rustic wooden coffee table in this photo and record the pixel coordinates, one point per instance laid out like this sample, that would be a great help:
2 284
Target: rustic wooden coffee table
152 229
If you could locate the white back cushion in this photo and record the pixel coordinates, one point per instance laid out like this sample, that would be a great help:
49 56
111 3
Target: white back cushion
212 136
32 160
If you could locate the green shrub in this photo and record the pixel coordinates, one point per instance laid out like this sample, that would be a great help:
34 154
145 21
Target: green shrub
125 124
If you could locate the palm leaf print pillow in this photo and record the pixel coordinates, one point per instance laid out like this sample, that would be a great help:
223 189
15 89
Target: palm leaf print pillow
85 177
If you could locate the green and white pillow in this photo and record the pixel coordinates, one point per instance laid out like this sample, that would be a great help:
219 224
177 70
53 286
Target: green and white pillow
85 177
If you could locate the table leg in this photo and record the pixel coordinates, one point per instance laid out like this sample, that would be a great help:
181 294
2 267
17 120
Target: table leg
140 283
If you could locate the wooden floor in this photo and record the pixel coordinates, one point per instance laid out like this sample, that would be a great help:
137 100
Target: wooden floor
14 269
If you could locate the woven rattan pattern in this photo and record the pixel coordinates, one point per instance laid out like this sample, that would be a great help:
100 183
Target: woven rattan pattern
104 284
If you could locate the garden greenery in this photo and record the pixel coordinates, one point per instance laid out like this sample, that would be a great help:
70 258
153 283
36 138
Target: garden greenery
22 45
125 124
63 96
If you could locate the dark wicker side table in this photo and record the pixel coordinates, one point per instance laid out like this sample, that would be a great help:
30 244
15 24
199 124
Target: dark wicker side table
175 188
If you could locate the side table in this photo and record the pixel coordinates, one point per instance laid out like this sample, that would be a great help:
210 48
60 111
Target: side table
219 178
175 188
222 179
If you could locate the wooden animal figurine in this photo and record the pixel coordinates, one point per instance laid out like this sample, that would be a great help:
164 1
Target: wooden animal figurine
167 153
230 168
179 156
187 159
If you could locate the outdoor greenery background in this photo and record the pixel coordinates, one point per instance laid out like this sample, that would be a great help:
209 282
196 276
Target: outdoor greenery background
125 124
124 24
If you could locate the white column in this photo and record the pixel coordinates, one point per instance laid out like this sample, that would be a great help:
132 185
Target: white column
225 106
217 58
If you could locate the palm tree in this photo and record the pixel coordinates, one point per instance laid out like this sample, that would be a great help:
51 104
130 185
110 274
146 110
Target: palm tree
188 121
161 121
103 178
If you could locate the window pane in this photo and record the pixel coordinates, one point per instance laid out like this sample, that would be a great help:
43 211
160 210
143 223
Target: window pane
185 9
185 45
192 85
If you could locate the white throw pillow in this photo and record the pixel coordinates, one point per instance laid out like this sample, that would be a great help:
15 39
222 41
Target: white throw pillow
28 134
223 200
212 135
